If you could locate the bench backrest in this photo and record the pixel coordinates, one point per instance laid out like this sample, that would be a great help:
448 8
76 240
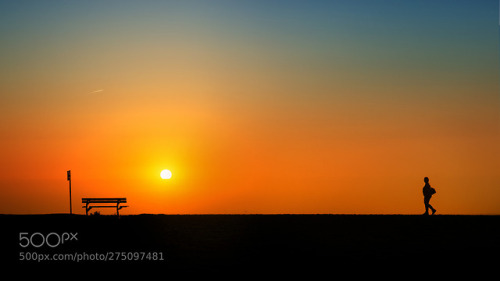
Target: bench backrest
104 200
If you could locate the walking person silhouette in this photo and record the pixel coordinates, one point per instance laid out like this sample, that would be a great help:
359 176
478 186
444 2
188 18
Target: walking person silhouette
428 192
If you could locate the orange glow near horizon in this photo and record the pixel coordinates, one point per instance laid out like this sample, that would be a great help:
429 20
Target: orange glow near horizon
268 165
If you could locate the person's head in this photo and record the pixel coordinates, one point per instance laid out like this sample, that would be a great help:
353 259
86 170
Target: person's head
426 180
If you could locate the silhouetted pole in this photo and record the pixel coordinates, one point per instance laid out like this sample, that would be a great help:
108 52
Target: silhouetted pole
69 179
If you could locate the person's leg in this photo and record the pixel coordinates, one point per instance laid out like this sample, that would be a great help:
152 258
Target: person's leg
430 206
426 203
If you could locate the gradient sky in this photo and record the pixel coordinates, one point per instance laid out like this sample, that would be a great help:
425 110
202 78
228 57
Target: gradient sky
255 106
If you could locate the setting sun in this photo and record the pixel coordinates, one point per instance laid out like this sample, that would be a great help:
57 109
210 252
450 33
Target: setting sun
166 174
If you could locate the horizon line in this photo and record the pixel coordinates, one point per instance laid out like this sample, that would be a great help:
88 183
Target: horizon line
242 214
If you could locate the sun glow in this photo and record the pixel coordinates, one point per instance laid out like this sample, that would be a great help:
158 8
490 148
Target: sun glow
166 174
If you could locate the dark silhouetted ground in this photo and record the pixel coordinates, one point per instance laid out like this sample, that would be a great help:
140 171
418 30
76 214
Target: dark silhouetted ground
255 244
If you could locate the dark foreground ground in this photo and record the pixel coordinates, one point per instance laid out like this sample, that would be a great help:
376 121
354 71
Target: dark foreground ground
253 243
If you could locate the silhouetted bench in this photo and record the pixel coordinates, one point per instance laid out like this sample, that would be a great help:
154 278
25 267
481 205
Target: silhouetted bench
116 201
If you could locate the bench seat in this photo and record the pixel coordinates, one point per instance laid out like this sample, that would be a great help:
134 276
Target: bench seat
117 201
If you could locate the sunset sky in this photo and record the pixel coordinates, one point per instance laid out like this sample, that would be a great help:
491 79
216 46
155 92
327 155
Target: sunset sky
255 106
